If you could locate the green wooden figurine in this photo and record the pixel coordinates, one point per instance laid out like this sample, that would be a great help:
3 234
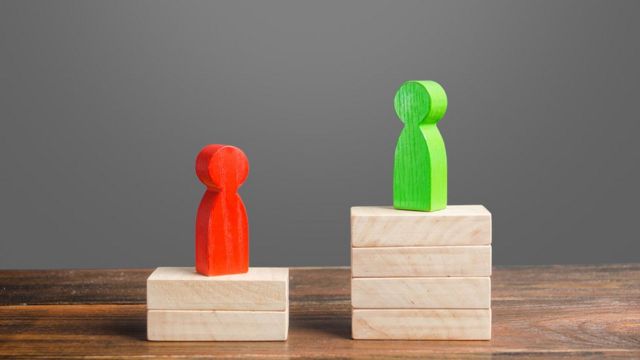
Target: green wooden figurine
420 166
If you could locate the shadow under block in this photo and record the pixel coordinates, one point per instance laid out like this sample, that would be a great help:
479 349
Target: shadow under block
183 305
182 288
428 261
421 293
379 226
203 325
422 324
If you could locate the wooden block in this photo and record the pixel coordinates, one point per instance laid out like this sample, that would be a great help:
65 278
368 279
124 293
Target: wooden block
421 261
421 293
203 325
374 226
181 288
423 324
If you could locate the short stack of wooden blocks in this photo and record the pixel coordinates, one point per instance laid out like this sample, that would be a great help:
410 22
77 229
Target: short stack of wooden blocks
183 305
421 275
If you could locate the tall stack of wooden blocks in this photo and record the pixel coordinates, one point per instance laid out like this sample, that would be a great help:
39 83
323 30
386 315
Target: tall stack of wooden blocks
183 305
421 275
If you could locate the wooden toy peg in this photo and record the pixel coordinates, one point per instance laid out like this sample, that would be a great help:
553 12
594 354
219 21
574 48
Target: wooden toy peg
420 166
222 228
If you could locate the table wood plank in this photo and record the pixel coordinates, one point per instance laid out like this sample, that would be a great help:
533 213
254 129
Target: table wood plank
539 311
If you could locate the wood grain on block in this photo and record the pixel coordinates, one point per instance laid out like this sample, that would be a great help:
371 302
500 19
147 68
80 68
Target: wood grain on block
422 324
421 293
204 325
373 226
421 261
182 288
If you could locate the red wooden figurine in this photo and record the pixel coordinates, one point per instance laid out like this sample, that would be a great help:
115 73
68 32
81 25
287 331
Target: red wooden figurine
222 229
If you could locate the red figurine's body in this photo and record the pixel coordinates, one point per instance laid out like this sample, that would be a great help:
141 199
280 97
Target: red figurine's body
222 229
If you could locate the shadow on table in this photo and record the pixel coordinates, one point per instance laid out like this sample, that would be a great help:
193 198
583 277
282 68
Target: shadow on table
332 326
134 328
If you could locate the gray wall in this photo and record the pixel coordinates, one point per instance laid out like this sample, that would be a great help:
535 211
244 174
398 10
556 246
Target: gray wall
104 105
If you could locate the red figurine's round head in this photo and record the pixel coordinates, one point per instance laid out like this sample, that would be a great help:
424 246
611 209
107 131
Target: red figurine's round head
222 167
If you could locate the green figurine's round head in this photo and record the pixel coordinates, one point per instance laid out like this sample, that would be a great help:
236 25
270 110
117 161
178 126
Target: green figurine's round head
420 101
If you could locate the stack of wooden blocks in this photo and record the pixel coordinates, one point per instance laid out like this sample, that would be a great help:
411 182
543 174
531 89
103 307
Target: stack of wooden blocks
183 305
421 275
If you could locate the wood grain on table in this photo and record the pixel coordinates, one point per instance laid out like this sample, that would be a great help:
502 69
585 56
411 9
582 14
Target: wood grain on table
538 312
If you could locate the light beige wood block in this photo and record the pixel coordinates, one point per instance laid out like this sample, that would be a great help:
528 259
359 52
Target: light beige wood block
421 293
422 324
373 226
181 288
204 325
421 261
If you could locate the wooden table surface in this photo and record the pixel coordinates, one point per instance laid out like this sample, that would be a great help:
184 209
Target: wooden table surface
541 311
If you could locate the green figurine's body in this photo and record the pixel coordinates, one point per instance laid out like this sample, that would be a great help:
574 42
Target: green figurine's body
420 167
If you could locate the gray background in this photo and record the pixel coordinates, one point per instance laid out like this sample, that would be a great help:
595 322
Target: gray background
104 105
